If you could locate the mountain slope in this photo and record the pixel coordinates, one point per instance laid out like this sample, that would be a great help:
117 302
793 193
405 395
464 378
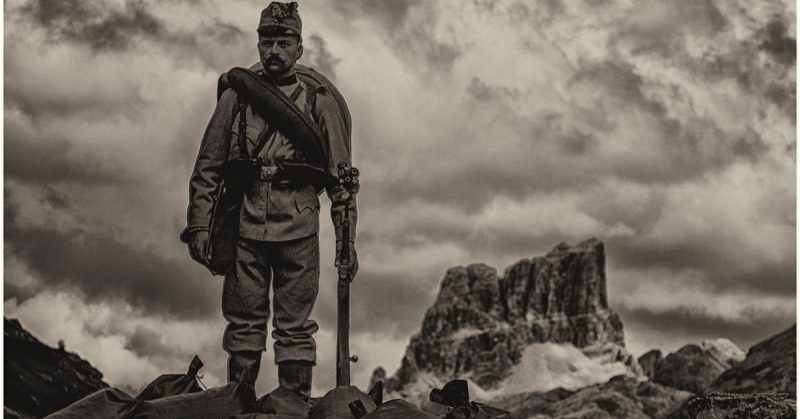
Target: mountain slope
40 380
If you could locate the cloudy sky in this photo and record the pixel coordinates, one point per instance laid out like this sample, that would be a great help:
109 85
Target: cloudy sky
486 131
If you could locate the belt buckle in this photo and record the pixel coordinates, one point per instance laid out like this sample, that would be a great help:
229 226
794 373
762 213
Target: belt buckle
268 172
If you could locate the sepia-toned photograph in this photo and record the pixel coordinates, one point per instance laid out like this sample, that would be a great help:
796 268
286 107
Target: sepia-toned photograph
452 209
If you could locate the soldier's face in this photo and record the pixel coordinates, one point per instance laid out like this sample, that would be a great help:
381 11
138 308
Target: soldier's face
279 53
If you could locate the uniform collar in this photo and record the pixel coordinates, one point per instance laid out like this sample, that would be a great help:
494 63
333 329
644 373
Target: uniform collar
287 80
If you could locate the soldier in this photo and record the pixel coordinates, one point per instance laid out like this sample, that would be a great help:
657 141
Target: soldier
279 216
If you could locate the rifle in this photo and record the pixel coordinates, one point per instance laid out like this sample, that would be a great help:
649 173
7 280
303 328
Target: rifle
348 180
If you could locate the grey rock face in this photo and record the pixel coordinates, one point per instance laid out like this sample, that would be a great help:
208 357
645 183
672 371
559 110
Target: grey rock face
693 367
650 361
770 367
480 323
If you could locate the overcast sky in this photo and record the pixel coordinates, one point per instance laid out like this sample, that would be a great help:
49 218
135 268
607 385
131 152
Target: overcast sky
486 131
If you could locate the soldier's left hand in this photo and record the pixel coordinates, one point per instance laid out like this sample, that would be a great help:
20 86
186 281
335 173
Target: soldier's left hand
353 258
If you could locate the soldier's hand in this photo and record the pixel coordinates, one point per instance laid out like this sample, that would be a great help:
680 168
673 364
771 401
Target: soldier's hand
198 243
353 259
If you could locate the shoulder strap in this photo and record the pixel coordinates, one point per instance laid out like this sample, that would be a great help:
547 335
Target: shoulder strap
311 103
242 137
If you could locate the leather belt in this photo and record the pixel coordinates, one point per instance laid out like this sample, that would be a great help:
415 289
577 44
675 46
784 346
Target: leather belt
270 174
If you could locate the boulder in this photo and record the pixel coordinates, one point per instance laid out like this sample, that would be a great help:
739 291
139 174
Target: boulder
728 405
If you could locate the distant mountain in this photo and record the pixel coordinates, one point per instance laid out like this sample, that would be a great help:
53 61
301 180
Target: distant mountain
693 367
40 380
545 324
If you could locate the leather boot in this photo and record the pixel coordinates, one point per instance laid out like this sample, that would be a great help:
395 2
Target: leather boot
296 376
243 369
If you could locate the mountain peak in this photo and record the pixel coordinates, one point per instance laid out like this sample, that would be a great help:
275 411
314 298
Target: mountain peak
481 324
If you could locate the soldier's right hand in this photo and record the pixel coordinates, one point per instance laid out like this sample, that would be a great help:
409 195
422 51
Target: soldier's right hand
198 243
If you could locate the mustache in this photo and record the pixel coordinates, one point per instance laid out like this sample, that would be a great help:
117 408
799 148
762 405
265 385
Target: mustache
274 59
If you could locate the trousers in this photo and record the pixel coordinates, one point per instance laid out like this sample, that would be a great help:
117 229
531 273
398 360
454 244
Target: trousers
292 268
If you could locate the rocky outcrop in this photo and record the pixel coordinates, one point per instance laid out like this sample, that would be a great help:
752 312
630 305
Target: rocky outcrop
649 362
40 380
622 397
770 367
727 405
480 323
693 367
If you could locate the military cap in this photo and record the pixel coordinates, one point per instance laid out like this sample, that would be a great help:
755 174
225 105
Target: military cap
280 19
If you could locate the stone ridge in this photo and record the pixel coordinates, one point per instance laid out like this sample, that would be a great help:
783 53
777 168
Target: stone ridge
620 397
480 323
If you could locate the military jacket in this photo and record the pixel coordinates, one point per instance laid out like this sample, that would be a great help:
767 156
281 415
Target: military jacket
271 211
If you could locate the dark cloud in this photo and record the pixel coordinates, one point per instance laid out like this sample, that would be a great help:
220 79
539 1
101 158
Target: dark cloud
104 269
315 51
225 33
663 28
408 25
577 142
149 343
217 44
45 162
722 267
418 230
483 92
692 144
620 81
692 326
40 104
100 25
388 304
114 28
391 15
779 43
55 199
552 150
749 145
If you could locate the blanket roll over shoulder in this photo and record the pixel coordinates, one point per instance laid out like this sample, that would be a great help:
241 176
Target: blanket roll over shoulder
332 118
279 110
